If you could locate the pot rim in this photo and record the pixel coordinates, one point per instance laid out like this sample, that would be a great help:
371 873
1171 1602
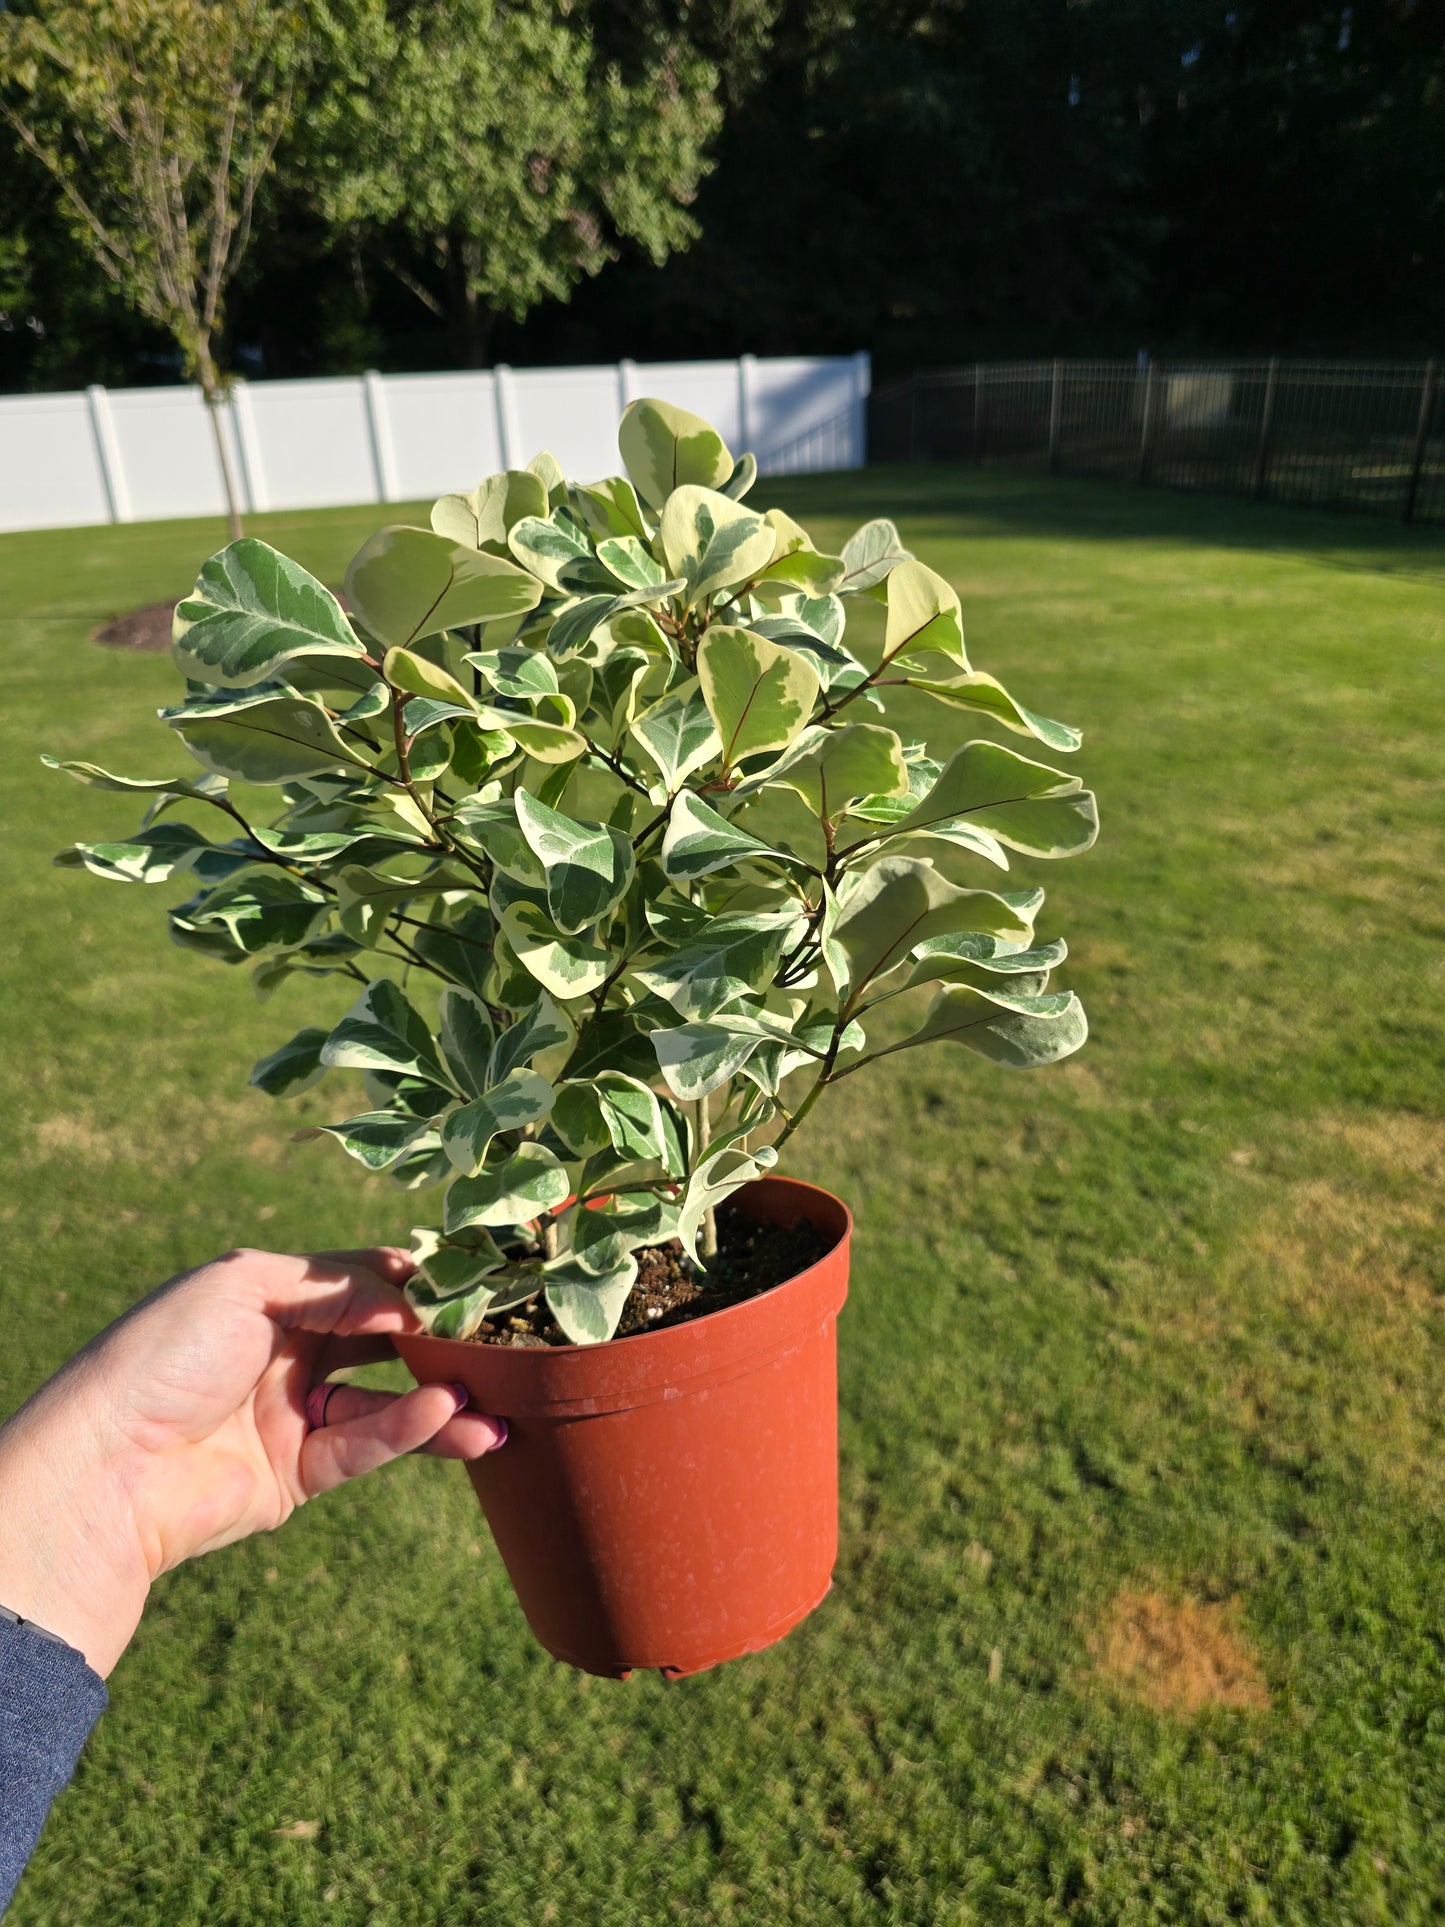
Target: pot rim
578 1381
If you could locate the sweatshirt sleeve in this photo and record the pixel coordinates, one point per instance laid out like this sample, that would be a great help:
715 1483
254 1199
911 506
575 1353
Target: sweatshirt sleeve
49 1701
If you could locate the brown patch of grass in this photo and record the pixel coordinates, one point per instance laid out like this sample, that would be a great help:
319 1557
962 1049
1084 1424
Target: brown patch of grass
74 1136
1178 1655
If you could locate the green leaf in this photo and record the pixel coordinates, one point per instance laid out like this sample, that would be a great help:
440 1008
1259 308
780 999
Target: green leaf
198 788
713 543
589 866
1022 804
538 1032
714 1180
831 768
150 856
796 561
383 1032
458 941
407 583
588 1305
611 508
742 478
516 671
557 550
678 734
375 1138
870 554
292 1068
977 691
492 828
485 517
567 966
1022 1032
610 1112
414 675
759 694
631 561
261 739
258 911
664 448
611 1041
697 1059
699 841
466 1037
250 611
366 902
923 615
893 907
577 622
548 471
971 957
457 1283
730 956
547 742
514 1191
521 1098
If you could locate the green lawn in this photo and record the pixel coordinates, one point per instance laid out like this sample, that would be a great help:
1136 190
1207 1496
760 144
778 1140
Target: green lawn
1138 1615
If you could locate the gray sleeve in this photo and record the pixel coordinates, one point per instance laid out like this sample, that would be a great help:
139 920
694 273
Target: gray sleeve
49 1701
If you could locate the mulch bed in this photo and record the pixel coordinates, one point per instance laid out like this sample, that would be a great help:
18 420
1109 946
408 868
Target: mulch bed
751 1258
147 629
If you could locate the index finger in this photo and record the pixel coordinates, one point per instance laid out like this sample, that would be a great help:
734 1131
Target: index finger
345 1292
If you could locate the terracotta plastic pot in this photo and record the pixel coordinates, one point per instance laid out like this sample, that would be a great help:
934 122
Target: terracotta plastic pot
670 1500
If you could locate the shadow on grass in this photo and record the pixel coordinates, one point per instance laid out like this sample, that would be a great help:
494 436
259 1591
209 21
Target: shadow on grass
1003 502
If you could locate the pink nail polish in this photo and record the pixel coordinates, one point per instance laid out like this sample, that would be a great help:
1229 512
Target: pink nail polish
463 1396
501 1438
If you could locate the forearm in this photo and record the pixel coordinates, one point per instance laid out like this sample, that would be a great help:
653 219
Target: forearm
70 1556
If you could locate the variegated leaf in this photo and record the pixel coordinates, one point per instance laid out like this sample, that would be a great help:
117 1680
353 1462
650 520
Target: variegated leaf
516 1190
251 610
521 1098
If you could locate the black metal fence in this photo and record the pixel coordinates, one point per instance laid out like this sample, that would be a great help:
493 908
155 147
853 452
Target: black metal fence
1344 435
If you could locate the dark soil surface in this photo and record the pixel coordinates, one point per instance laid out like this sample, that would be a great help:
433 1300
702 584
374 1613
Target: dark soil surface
148 629
751 1258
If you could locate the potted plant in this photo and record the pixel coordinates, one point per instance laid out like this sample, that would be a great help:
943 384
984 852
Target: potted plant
589 789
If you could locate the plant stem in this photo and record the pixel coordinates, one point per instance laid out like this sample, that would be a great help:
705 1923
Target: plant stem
702 1126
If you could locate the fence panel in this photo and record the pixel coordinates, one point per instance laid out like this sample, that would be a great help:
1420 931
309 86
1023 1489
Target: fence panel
138 454
1367 436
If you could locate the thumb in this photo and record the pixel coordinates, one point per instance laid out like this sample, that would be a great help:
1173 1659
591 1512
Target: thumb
373 1438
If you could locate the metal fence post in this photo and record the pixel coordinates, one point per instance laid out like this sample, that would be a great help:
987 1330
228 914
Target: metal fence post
1146 432
1056 396
1266 429
1422 438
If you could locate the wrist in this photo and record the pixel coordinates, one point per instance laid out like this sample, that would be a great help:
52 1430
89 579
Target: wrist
71 1561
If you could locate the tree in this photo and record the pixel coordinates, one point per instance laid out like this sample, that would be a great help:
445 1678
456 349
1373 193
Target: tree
158 121
492 153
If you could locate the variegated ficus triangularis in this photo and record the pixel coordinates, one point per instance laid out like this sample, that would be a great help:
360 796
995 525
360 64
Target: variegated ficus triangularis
586 789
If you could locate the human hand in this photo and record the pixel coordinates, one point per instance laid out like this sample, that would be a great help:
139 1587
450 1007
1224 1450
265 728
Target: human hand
183 1426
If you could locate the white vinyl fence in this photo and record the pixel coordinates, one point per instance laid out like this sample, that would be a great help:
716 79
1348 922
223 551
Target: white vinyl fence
148 454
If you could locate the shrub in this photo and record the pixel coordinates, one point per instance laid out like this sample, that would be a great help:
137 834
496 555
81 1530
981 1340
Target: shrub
586 789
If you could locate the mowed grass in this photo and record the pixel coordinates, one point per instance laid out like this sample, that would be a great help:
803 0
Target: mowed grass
1138 1612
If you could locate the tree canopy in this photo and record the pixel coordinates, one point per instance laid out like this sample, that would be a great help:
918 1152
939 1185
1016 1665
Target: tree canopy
931 181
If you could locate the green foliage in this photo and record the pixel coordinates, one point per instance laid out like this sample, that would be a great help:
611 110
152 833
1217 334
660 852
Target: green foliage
611 886
502 137
157 122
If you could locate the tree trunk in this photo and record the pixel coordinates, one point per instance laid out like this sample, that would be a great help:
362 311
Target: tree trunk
215 402
469 319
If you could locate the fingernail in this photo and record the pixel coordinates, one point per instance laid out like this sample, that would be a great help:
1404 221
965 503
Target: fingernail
501 1439
461 1395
